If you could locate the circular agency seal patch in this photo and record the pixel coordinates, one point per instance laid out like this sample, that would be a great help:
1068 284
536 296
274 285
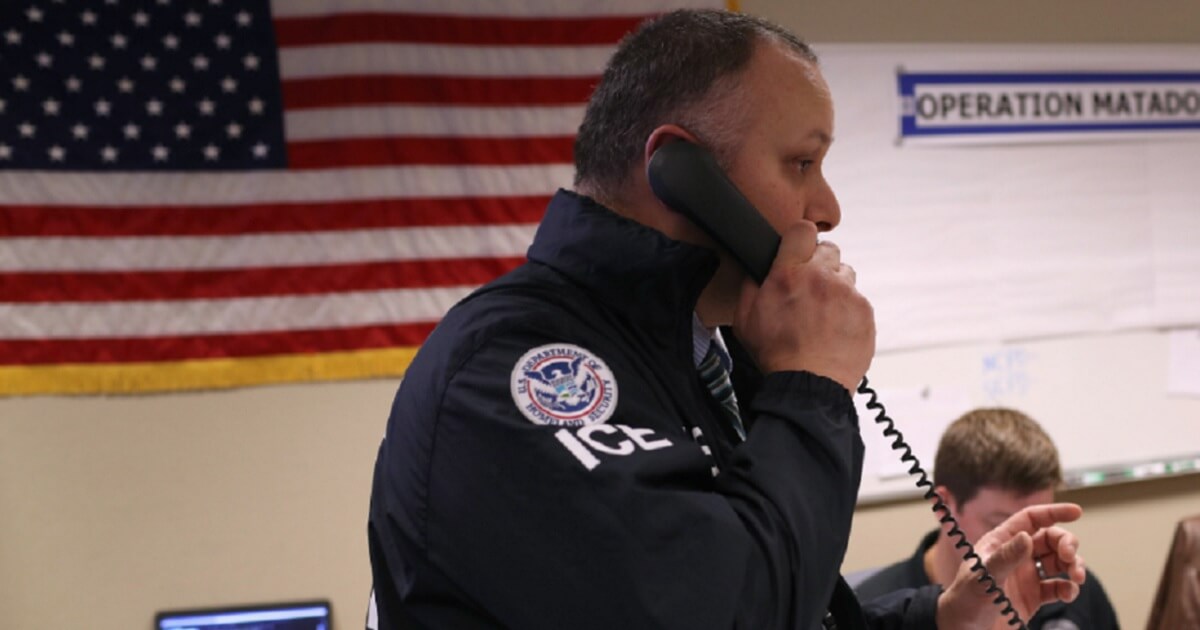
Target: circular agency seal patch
563 385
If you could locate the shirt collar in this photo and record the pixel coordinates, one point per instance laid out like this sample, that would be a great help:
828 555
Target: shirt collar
702 338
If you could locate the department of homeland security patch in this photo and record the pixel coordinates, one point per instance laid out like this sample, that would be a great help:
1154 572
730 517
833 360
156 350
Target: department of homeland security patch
563 385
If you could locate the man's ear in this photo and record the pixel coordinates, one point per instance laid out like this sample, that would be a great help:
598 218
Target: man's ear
664 134
950 500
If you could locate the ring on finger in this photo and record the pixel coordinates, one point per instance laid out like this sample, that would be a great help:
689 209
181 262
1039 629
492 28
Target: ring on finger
1041 570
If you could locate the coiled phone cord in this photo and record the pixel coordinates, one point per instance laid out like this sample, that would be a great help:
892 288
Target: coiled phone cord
939 505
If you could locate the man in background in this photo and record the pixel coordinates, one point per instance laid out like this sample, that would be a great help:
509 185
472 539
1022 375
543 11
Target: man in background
990 464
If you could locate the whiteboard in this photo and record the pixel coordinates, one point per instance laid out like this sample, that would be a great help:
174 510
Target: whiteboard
992 242
1102 398
1037 275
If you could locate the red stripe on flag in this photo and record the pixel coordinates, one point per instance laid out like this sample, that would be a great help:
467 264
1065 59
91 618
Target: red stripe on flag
143 349
57 287
104 221
355 28
312 154
439 90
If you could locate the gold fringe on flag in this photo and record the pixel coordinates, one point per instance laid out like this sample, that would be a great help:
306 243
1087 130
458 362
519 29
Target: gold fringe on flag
132 378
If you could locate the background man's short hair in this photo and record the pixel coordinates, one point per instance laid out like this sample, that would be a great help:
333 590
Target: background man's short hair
665 68
995 447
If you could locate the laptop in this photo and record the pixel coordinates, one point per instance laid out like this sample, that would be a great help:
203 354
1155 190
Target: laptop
314 615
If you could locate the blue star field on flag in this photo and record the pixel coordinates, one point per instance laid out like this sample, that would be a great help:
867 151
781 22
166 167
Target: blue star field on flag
125 85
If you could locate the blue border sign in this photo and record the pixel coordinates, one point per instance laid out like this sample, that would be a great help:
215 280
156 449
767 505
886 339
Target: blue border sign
948 104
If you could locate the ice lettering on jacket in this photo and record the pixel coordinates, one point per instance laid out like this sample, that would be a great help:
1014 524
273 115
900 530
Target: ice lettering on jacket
563 385
590 442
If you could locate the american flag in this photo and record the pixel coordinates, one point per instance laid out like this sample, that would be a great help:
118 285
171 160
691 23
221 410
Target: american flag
233 192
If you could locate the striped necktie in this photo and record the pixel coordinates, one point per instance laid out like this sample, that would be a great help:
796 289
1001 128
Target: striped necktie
714 371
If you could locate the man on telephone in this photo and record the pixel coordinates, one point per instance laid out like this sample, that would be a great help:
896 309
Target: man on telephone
568 449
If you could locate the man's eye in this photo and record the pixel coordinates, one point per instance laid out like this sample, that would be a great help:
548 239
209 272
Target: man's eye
804 165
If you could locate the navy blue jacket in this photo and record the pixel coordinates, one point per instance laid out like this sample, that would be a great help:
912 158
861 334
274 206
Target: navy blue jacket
552 460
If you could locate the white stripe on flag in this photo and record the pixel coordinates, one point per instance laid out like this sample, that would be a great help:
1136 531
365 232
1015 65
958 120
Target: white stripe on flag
401 120
266 187
310 62
484 8
263 250
236 315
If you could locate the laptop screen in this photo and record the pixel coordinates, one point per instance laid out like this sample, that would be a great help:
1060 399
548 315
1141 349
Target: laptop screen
298 616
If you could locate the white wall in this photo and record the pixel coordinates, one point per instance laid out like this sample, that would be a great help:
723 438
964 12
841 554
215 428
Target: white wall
113 508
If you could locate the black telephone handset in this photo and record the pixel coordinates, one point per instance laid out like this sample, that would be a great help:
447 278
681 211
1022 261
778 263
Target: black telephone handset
687 178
